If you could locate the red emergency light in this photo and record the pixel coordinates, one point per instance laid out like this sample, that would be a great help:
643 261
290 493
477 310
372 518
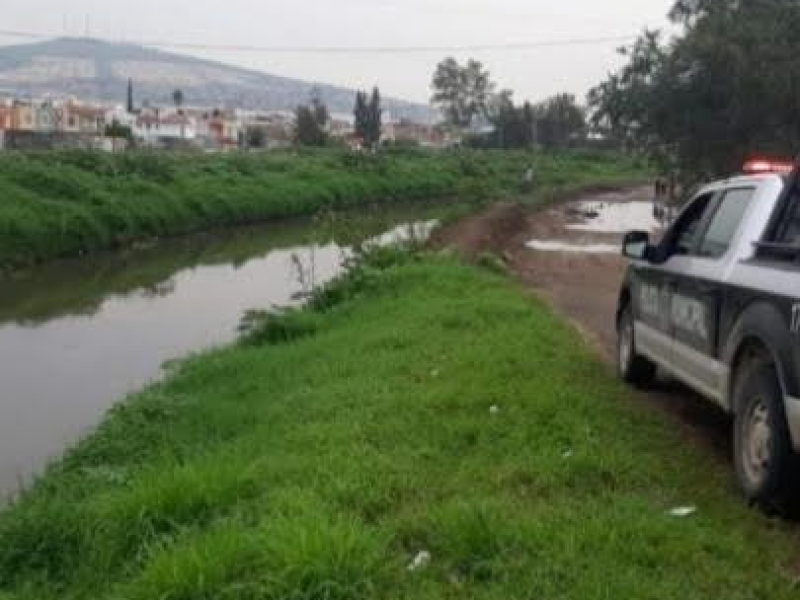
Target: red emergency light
761 165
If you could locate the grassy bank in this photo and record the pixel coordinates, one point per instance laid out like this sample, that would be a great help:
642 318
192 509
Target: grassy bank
421 406
70 203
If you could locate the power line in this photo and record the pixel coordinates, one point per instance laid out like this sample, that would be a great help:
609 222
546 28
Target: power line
513 46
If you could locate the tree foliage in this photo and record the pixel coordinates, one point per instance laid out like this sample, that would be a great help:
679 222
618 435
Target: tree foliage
360 114
178 98
311 123
555 123
462 92
514 126
369 117
131 107
727 87
117 130
559 121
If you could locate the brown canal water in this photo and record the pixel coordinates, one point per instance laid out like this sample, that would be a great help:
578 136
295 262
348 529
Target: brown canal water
78 336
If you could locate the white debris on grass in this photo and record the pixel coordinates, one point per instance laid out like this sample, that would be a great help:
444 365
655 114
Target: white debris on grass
405 234
494 410
683 511
421 560
567 454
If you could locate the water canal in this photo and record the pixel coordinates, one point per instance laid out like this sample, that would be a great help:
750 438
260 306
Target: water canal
77 336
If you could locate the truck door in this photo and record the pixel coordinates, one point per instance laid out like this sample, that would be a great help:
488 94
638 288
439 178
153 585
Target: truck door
654 282
697 280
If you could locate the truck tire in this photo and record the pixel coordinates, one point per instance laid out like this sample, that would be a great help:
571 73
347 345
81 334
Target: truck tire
762 449
632 368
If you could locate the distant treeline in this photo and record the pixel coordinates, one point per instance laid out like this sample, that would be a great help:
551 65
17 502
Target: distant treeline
72 202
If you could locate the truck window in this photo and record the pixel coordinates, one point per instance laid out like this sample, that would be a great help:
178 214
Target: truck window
681 239
790 230
725 223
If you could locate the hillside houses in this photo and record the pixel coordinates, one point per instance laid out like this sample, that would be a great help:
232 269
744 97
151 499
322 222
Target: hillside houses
27 125
426 136
47 124
30 125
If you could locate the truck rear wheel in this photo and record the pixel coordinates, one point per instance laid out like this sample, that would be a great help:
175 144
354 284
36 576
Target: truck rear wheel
632 367
762 448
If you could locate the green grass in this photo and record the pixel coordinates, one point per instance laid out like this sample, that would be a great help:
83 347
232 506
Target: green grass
71 203
318 457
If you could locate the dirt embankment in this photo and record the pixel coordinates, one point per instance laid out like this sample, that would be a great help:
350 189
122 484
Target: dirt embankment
580 283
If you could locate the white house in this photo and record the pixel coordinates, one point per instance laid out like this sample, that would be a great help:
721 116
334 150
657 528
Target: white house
152 128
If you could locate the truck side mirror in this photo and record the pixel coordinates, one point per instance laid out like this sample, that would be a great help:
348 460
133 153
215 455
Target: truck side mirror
636 245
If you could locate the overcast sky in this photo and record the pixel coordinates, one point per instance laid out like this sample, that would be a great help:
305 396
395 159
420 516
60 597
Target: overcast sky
533 73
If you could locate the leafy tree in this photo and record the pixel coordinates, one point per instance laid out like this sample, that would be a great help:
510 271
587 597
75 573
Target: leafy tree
559 121
255 137
369 117
117 130
131 106
374 118
514 126
727 87
360 111
554 123
311 123
462 92
178 98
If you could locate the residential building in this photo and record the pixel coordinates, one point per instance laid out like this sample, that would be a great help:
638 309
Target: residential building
154 129
82 119
6 116
47 117
409 132
22 116
220 130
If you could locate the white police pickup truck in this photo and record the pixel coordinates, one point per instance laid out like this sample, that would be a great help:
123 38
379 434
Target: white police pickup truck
716 304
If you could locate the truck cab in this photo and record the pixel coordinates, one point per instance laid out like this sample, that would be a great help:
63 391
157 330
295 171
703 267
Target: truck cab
716 304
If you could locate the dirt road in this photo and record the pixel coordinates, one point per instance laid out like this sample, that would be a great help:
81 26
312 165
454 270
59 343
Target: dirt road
569 254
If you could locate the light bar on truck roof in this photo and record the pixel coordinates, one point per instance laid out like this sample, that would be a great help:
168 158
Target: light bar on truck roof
761 165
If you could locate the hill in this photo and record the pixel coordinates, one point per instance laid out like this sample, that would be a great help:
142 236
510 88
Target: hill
99 70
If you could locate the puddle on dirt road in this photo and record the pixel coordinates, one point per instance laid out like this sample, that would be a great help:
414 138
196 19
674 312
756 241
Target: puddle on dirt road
597 220
78 336
572 248
618 217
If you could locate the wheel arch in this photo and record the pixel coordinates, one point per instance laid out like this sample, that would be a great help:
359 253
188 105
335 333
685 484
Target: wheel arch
624 300
761 330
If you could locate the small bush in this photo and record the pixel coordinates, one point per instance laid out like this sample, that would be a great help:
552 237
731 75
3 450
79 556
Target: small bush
272 328
363 276
492 262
